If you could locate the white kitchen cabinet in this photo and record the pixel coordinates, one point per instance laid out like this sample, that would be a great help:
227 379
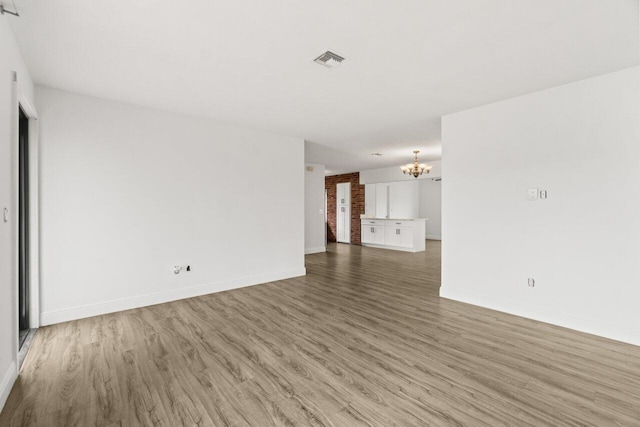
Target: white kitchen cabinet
382 200
373 221
392 199
370 199
390 237
404 199
343 224
374 234
343 213
398 234
366 234
373 231
343 194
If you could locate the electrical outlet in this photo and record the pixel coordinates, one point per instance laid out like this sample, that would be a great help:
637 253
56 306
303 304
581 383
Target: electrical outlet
532 195
531 282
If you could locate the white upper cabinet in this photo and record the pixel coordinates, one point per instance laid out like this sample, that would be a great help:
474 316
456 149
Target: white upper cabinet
404 199
370 199
382 200
392 199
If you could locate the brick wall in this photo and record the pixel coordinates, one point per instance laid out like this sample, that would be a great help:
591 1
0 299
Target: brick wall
357 204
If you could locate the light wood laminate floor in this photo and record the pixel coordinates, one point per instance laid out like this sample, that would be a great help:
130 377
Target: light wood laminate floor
363 339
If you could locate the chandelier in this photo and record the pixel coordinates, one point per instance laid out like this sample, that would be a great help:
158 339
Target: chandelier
416 169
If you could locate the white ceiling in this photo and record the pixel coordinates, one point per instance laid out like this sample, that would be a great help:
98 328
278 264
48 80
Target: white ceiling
249 62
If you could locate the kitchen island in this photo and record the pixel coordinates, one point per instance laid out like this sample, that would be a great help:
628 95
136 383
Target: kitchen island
400 234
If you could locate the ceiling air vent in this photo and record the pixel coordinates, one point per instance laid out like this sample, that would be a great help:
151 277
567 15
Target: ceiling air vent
329 59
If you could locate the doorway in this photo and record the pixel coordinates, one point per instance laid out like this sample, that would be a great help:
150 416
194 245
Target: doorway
23 229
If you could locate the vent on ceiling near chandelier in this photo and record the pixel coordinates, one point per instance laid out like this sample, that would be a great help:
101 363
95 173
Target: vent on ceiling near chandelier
329 59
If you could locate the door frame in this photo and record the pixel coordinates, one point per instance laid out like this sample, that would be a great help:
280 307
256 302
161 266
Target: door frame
22 101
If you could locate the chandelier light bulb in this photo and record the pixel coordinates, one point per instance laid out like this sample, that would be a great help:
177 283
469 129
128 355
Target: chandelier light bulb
416 169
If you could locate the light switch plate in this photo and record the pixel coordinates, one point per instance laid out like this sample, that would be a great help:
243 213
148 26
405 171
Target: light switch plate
543 194
533 194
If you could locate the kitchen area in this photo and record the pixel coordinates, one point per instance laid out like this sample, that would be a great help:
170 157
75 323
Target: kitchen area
383 209
392 218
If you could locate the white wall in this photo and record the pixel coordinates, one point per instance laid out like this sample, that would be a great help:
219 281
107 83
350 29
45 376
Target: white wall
581 143
129 192
430 199
10 61
394 173
314 225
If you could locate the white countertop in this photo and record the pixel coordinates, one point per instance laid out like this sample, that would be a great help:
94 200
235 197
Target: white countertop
395 219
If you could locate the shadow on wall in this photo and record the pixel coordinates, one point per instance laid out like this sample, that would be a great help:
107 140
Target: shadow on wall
357 204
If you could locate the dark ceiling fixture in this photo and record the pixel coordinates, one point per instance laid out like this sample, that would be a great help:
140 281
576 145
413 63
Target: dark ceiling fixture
3 10
329 59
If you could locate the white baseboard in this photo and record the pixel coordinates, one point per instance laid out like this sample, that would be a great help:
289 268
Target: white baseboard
89 310
393 248
432 237
582 325
308 251
6 384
